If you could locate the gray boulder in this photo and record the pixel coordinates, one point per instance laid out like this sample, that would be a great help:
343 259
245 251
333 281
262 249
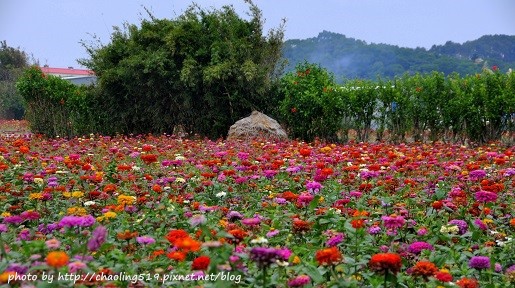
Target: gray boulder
257 125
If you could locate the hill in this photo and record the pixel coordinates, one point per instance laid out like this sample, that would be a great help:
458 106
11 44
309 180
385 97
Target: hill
349 58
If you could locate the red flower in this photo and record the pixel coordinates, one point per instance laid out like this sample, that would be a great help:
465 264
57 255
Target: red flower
328 256
200 263
175 235
443 276
305 152
383 262
467 283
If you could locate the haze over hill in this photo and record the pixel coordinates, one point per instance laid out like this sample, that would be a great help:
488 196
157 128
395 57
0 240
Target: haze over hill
352 58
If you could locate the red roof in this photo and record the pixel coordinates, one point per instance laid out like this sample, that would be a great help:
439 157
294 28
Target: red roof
67 71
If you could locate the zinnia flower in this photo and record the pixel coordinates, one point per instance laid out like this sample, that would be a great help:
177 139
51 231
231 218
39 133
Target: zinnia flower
479 262
383 262
467 283
329 256
393 221
425 269
200 263
417 247
485 196
299 281
57 259
98 237
462 225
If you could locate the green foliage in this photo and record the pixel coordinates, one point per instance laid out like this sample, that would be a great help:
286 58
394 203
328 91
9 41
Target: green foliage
202 71
12 62
55 107
311 106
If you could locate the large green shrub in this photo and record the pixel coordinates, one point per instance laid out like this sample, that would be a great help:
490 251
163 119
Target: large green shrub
311 106
203 71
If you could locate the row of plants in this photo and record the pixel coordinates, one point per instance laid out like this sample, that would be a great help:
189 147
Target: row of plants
480 108
139 210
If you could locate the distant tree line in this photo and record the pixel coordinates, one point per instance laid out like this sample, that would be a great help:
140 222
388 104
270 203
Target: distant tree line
12 63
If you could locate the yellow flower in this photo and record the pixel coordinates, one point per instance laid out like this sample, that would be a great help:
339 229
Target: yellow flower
296 260
77 194
321 199
108 215
126 199
39 181
36 196
6 214
77 211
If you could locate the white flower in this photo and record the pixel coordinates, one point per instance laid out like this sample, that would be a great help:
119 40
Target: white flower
89 203
259 240
39 181
220 194
135 168
179 180
179 157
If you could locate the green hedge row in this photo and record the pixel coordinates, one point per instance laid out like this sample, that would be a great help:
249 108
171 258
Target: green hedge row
478 108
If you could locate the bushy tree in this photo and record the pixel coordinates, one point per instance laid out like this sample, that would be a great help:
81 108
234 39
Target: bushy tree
203 71
12 63
311 105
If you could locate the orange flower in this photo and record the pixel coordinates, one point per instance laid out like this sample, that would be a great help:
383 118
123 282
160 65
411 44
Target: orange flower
512 222
424 269
200 263
188 245
176 255
300 226
328 256
383 262
4 277
57 259
126 235
238 235
357 223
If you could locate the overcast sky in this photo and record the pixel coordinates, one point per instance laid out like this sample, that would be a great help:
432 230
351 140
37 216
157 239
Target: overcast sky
51 30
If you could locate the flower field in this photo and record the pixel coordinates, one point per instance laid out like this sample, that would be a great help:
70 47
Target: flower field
159 211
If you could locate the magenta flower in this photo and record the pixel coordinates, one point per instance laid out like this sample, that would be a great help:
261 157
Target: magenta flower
485 196
393 221
299 281
419 246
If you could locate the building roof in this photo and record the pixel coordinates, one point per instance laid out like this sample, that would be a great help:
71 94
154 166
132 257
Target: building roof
67 71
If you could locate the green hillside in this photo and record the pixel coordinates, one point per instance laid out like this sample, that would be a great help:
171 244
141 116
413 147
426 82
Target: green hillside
350 58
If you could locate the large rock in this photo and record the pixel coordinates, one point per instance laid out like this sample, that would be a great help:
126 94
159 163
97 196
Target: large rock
257 125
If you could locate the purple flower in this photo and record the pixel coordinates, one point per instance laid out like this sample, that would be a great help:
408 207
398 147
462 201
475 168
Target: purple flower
77 221
419 246
462 225
197 219
280 200
509 172
18 268
485 196
335 240
3 228
374 230
234 215
479 262
270 173
422 231
313 187
97 238
299 281
477 174
24 234
265 256
145 240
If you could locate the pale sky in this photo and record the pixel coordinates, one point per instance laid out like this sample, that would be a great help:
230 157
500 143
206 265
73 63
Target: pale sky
50 30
